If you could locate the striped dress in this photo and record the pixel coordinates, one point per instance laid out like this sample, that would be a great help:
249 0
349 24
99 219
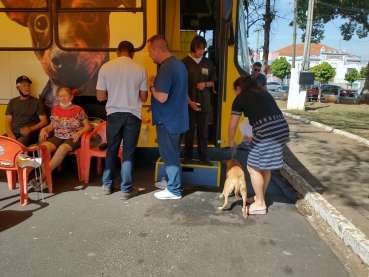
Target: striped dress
270 135
269 127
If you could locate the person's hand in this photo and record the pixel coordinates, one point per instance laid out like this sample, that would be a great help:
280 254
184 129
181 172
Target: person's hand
12 136
152 79
248 139
231 144
25 131
194 106
201 86
76 136
43 135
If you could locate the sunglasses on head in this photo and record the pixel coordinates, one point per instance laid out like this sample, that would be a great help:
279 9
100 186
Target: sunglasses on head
255 69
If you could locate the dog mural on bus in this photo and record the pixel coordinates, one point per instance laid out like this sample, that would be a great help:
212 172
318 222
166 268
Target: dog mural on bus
77 70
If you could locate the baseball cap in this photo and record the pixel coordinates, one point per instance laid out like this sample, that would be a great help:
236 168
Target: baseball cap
22 78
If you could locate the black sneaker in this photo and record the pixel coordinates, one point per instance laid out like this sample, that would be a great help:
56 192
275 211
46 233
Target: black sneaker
127 195
206 161
186 160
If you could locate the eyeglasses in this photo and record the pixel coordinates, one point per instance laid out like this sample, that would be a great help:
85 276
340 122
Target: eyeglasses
258 70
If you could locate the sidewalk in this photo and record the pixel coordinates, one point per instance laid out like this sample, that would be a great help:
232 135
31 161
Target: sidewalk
329 168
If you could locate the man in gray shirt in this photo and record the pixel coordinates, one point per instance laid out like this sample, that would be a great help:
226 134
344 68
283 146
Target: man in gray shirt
25 114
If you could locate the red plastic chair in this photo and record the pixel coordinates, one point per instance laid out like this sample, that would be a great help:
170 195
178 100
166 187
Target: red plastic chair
79 156
90 152
9 151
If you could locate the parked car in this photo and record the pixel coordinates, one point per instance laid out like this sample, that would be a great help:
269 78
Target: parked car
274 86
312 93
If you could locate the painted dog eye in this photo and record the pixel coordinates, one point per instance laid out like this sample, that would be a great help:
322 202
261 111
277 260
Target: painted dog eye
41 23
89 17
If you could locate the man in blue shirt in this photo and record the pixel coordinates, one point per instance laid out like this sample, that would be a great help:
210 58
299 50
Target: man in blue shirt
256 68
169 111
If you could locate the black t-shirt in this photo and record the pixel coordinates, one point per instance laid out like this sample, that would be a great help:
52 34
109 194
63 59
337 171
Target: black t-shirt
24 112
255 105
197 73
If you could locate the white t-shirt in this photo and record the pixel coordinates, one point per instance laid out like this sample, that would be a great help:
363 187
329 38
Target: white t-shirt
123 78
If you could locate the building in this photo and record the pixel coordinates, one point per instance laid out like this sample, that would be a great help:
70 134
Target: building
341 60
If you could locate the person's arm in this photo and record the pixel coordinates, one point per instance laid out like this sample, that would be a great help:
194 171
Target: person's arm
101 95
143 95
193 105
160 96
45 132
203 85
86 128
264 87
232 128
28 129
8 126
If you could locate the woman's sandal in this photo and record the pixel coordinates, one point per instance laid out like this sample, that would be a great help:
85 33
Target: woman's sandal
37 184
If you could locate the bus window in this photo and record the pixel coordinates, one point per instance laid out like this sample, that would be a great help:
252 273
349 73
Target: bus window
94 20
16 15
242 58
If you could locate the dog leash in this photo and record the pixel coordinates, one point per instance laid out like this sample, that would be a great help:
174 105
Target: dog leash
233 151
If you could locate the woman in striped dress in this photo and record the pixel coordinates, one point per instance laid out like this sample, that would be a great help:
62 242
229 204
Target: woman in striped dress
270 135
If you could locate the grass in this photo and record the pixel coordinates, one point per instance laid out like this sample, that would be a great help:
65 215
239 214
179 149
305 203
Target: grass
350 118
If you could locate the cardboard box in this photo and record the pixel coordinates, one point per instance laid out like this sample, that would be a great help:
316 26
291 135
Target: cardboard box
194 173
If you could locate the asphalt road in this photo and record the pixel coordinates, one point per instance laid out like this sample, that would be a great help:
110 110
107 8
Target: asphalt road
78 231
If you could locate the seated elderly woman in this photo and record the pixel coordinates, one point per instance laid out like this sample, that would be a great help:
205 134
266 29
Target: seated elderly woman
68 122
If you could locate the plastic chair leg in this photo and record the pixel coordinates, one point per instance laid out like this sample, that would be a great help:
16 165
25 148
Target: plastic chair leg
87 169
11 177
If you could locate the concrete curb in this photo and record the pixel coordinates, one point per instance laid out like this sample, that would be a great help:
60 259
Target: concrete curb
329 129
351 235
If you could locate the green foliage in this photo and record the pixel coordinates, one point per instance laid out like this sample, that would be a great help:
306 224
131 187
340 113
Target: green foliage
354 13
363 71
352 76
280 67
323 72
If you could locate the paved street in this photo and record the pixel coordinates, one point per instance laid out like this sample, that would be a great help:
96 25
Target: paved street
78 231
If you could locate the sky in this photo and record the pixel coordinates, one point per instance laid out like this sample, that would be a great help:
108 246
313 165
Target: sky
281 35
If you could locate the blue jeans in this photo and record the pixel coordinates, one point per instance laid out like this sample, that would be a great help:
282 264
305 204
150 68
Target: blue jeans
120 126
169 149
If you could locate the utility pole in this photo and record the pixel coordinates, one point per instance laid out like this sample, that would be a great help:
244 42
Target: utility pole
294 33
309 25
257 43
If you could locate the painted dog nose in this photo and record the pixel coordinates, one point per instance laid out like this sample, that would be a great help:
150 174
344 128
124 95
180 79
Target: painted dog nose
65 60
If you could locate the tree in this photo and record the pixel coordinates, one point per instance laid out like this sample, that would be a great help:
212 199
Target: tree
354 12
352 76
365 95
280 68
261 13
363 71
323 74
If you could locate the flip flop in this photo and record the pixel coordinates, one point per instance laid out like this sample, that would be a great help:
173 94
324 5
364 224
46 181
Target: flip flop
255 211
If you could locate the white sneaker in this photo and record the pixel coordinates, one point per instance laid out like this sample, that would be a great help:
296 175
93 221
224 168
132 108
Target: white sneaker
162 184
166 194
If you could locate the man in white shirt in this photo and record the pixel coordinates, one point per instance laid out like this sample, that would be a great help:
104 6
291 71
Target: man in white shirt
123 83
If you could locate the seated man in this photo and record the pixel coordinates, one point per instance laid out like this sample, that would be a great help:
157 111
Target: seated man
25 114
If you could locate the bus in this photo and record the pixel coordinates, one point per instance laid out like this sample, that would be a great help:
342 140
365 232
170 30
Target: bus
59 43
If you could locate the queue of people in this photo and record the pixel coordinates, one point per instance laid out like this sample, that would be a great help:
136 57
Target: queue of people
180 100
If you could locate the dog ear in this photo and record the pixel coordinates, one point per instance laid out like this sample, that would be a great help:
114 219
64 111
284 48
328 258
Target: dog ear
225 162
19 17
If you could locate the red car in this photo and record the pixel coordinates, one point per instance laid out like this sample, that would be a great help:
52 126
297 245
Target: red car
312 93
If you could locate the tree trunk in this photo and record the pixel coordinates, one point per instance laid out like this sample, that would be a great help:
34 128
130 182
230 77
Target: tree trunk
268 17
365 95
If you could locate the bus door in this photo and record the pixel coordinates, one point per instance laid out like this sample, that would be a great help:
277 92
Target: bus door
181 20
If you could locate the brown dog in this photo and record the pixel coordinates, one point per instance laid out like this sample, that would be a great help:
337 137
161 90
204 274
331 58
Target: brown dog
235 182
